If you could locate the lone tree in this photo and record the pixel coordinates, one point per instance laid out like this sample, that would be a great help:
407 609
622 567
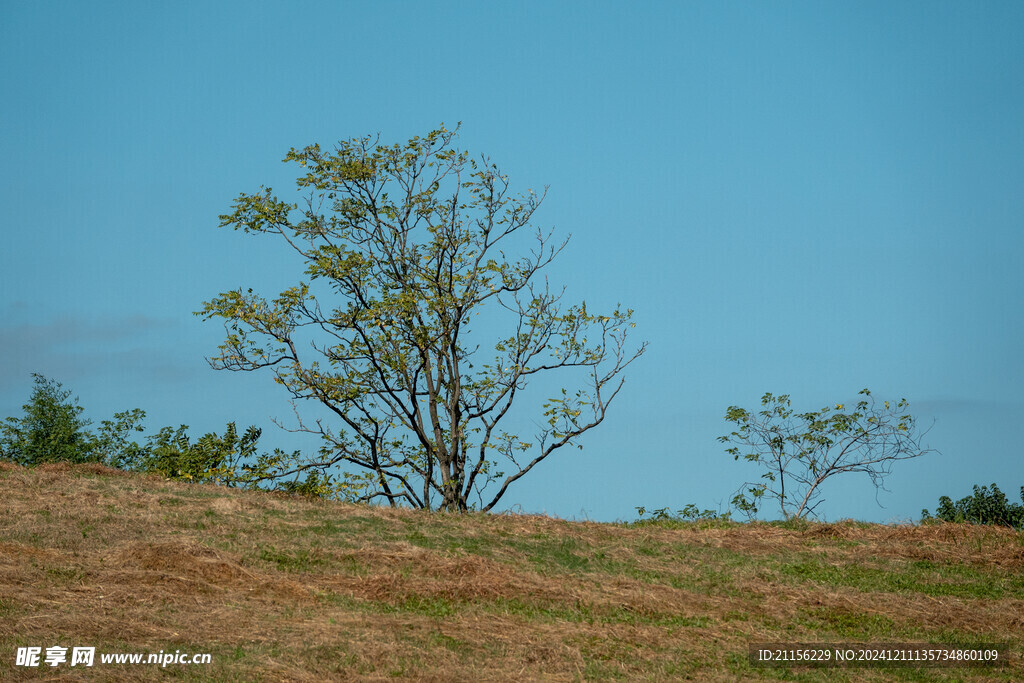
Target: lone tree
403 246
798 452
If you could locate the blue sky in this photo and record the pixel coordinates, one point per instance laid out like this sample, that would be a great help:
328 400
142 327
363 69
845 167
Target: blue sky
797 197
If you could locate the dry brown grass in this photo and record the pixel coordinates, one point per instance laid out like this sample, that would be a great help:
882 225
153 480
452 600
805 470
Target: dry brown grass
283 588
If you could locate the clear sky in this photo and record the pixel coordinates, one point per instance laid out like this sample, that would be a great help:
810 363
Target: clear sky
797 197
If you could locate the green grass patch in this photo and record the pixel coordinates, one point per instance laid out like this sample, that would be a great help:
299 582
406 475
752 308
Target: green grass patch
552 554
300 560
345 526
852 625
912 577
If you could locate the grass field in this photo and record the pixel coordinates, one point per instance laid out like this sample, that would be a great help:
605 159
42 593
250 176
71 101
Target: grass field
279 588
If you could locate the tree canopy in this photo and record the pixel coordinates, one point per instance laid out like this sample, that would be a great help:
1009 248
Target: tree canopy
403 246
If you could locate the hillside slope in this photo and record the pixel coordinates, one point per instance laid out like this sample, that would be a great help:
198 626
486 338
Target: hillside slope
280 588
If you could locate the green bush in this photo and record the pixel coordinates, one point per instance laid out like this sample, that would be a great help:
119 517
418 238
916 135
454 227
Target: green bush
112 445
689 513
986 506
231 460
211 459
51 429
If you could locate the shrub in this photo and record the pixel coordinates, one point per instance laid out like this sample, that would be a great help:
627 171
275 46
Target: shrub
51 429
212 458
986 506
113 447
689 513
231 460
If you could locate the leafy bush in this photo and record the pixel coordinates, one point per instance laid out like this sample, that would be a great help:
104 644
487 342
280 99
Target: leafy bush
986 506
51 429
689 513
231 460
211 459
112 445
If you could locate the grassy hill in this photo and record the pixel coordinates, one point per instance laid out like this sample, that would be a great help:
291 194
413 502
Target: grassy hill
280 588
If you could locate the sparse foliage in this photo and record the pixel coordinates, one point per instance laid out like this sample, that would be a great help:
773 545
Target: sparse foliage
689 513
799 452
403 246
986 506
113 445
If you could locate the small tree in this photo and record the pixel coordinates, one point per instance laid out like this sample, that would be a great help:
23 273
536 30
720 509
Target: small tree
406 244
799 452
51 429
